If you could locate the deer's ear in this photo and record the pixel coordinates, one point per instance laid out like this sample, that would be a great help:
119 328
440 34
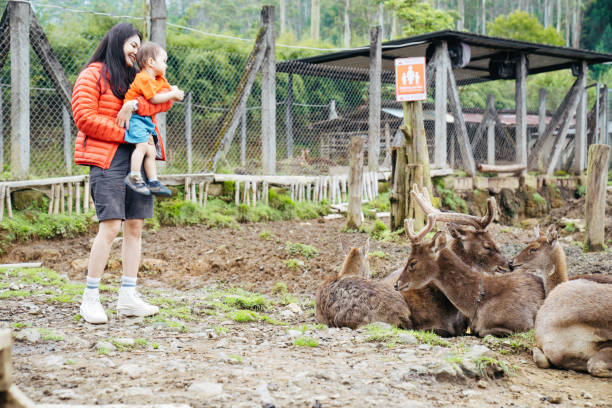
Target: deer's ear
551 235
439 242
366 247
345 249
456 231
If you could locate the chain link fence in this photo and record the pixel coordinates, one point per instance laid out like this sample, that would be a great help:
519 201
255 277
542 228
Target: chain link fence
315 115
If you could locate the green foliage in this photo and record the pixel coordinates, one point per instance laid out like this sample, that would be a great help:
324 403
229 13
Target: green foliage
298 249
265 235
516 343
246 300
28 225
580 191
377 254
305 341
597 32
243 316
391 336
538 198
421 17
450 199
520 25
293 263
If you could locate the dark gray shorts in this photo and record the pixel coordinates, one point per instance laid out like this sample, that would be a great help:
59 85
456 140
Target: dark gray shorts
113 200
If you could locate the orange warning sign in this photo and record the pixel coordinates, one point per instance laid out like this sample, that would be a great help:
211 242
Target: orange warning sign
410 79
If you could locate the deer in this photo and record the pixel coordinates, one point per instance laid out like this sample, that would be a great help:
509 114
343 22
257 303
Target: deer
499 305
545 255
351 299
430 308
573 328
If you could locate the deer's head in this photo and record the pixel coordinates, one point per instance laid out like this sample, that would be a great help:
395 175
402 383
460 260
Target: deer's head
477 248
539 253
422 266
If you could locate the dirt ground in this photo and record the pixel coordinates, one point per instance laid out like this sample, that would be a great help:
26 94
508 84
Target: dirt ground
210 360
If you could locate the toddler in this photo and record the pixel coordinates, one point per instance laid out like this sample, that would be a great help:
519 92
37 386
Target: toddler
151 83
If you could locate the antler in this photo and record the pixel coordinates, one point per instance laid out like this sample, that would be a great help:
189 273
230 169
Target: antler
424 201
417 238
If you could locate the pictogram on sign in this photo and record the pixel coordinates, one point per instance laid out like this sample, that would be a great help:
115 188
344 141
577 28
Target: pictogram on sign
410 79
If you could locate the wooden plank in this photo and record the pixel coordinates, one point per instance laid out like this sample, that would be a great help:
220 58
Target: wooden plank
86 195
45 182
565 124
237 193
455 104
268 94
22 265
243 90
544 144
595 203
70 198
501 168
49 61
374 97
580 136
77 200
521 110
354 215
441 105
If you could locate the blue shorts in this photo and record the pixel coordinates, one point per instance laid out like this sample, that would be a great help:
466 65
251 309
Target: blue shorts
111 197
140 129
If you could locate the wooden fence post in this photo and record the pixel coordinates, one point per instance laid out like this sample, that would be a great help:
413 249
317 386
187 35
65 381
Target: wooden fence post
441 106
268 94
521 110
541 112
188 140
595 203
354 216
20 88
374 97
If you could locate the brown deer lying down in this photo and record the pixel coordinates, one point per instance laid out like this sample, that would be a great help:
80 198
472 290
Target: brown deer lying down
351 301
495 304
573 329
545 255
430 308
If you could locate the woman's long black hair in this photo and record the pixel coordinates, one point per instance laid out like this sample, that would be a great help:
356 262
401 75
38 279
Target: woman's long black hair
110 54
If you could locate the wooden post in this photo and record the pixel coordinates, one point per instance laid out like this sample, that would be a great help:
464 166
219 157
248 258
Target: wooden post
187 188
441 106
289 116
158 35
580 138
9 206
56 199
354 216
243 137
66 121
541 112
268 94
188 140
374 97
77 198
20 88
86 195
461 130
603 121
194 197
521 110
70 197
206 194
264 192
595 203
236 193
490 132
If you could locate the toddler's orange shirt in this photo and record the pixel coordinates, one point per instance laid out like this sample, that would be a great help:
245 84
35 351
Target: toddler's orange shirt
146 86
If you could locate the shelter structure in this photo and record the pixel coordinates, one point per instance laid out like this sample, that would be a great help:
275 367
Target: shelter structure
457 58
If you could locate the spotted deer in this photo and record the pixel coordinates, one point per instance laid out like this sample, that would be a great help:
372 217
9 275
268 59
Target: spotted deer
573 328
498 304
430 308
351 299
546 256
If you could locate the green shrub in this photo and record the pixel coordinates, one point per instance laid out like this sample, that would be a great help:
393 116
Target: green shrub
538 198
580 191
295 249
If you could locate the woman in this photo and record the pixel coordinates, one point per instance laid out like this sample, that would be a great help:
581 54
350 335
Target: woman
101 117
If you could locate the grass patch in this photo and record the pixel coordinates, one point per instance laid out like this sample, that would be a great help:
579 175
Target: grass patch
246 300
486 365
48 335
391 336
538 199
293 263
377 254
265 235
305 341
515 344
283 297
379 231
244 316
14 293
297 249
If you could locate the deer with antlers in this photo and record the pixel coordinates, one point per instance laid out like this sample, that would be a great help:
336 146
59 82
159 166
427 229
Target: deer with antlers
479 296
351 299
430 308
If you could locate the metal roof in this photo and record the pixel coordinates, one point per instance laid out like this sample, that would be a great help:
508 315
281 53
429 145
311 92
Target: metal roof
354 63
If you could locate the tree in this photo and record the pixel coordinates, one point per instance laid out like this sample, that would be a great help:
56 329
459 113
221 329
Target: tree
520 25
421 17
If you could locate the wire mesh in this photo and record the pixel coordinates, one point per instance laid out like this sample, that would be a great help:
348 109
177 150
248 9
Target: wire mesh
316 114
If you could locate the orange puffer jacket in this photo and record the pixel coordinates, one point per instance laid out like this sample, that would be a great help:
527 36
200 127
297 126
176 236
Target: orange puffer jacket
95 108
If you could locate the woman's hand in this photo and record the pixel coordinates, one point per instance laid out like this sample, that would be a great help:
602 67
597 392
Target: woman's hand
124 115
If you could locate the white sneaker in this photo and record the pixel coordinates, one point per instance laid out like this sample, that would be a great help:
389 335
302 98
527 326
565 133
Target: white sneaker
91 308
130 304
